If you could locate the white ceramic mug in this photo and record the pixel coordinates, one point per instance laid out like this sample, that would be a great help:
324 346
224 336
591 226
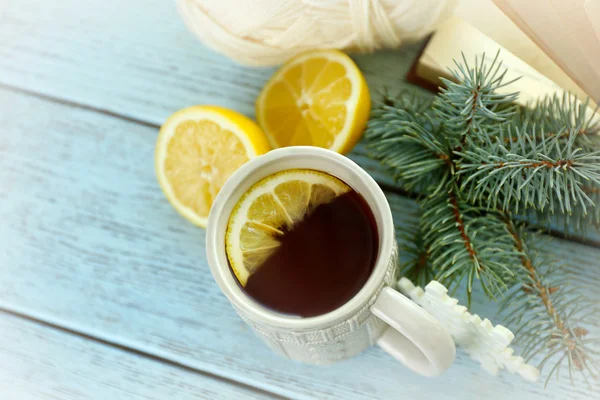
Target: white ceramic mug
377 314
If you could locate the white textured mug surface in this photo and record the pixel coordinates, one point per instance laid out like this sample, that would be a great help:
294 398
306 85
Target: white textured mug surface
376 315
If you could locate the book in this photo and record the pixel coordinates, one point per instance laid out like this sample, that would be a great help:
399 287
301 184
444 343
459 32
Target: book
568 31
455 37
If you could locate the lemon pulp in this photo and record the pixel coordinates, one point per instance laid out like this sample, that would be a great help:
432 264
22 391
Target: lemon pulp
271 207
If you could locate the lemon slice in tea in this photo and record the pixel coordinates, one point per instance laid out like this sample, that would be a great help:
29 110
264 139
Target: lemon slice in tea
270 208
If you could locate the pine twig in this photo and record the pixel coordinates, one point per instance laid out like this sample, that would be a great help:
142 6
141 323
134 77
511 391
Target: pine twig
467 242
528 174
401 136
555 113
469 105
546 311
478 161
418 267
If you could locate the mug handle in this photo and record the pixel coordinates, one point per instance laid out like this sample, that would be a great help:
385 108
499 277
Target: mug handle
413 337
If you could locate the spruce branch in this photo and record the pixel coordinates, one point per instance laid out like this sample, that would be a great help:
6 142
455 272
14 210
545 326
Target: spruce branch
468 105
555 114
478 164
409 101
467 242
546 313
401 137
580 219
549 173
418 267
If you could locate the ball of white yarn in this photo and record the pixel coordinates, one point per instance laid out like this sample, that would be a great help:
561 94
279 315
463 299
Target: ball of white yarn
268 32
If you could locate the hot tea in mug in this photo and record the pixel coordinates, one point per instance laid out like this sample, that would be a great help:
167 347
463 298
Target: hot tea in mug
302 242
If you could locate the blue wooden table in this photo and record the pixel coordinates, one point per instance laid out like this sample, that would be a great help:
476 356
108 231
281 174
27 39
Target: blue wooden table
104 290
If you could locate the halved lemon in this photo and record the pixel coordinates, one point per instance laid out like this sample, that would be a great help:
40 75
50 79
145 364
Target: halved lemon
271 207
197 149
319 98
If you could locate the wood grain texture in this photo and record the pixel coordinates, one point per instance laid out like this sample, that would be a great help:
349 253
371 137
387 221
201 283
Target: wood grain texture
89 243
139 62
38 362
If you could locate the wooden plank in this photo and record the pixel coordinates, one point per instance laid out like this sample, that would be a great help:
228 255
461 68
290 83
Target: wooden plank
89 243
39 362
87 52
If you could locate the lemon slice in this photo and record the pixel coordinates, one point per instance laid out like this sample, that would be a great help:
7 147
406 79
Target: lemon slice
197 149
271 207
319 98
